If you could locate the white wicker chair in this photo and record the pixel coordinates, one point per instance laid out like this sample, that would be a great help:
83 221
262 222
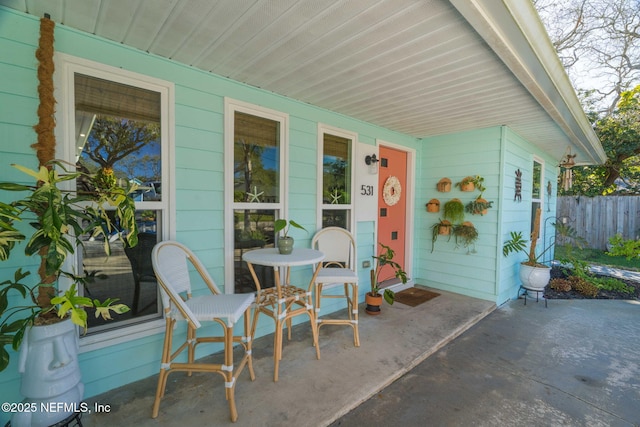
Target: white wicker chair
171 268
338 269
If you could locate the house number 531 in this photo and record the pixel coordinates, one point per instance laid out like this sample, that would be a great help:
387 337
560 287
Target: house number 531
366 190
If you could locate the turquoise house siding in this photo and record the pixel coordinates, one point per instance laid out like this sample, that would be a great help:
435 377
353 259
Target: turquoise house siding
495 154
198 153
198 175
516 216
449 267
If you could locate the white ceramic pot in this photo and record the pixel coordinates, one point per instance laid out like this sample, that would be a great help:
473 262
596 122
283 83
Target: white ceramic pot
51 379
534 278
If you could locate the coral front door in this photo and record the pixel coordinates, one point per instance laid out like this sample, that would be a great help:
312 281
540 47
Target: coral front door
392 205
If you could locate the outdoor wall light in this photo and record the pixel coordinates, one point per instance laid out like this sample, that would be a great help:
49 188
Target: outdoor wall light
372 162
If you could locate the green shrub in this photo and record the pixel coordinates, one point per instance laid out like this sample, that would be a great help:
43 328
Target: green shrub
626 248
611 284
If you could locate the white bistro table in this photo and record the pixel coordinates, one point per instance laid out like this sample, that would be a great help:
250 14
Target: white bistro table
280 302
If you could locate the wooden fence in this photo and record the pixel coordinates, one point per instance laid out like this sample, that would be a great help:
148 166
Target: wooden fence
598 218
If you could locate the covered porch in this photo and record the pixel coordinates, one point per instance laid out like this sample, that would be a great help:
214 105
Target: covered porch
465 88
309 392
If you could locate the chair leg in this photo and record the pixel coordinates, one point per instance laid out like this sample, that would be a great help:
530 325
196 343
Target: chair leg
249 344
230 384
314 325
277 348
317 300
354 311
191 342
164 366
347 296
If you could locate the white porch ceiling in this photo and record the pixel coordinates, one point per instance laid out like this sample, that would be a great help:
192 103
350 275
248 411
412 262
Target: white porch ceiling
420 67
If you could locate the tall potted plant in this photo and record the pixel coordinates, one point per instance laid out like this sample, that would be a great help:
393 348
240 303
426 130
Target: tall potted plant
373 299
58 218
533 274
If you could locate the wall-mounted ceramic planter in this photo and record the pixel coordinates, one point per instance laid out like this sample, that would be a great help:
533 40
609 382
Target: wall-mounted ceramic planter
466 184
444 185
433 205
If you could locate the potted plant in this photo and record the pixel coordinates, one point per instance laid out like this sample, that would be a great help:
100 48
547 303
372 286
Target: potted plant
454 210
533 274
285 242
479 206
441 228
470 183
373 299
47 320
465 233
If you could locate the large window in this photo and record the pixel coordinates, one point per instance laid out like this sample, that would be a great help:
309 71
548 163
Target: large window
336 149
255 177
118 123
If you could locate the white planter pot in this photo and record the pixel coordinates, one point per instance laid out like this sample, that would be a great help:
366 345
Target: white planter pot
51 379
534 278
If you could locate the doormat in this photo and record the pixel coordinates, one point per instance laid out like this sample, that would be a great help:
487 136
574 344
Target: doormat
414 296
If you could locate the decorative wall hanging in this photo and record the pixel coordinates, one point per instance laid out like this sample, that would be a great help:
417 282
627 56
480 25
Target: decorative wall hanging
433 205
391 191
444 185
518 196
549 193
567 162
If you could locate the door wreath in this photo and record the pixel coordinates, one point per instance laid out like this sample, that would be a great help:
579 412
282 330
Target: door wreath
391 191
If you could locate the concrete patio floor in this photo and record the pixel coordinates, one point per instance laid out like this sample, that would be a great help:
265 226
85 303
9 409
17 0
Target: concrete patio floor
575 363
309 392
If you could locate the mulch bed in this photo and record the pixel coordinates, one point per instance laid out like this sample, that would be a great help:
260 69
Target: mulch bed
602 294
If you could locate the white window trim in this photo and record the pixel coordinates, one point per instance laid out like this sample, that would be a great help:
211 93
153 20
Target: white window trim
353 136
541 198
230 106
66 66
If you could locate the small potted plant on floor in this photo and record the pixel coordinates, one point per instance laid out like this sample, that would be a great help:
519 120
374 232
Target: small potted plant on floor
373 299
285 242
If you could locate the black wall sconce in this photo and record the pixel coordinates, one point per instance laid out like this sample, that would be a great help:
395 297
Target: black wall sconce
372 162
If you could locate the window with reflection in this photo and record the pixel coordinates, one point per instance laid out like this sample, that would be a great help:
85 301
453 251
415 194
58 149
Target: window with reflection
336 180
256 159
118 130
257 186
